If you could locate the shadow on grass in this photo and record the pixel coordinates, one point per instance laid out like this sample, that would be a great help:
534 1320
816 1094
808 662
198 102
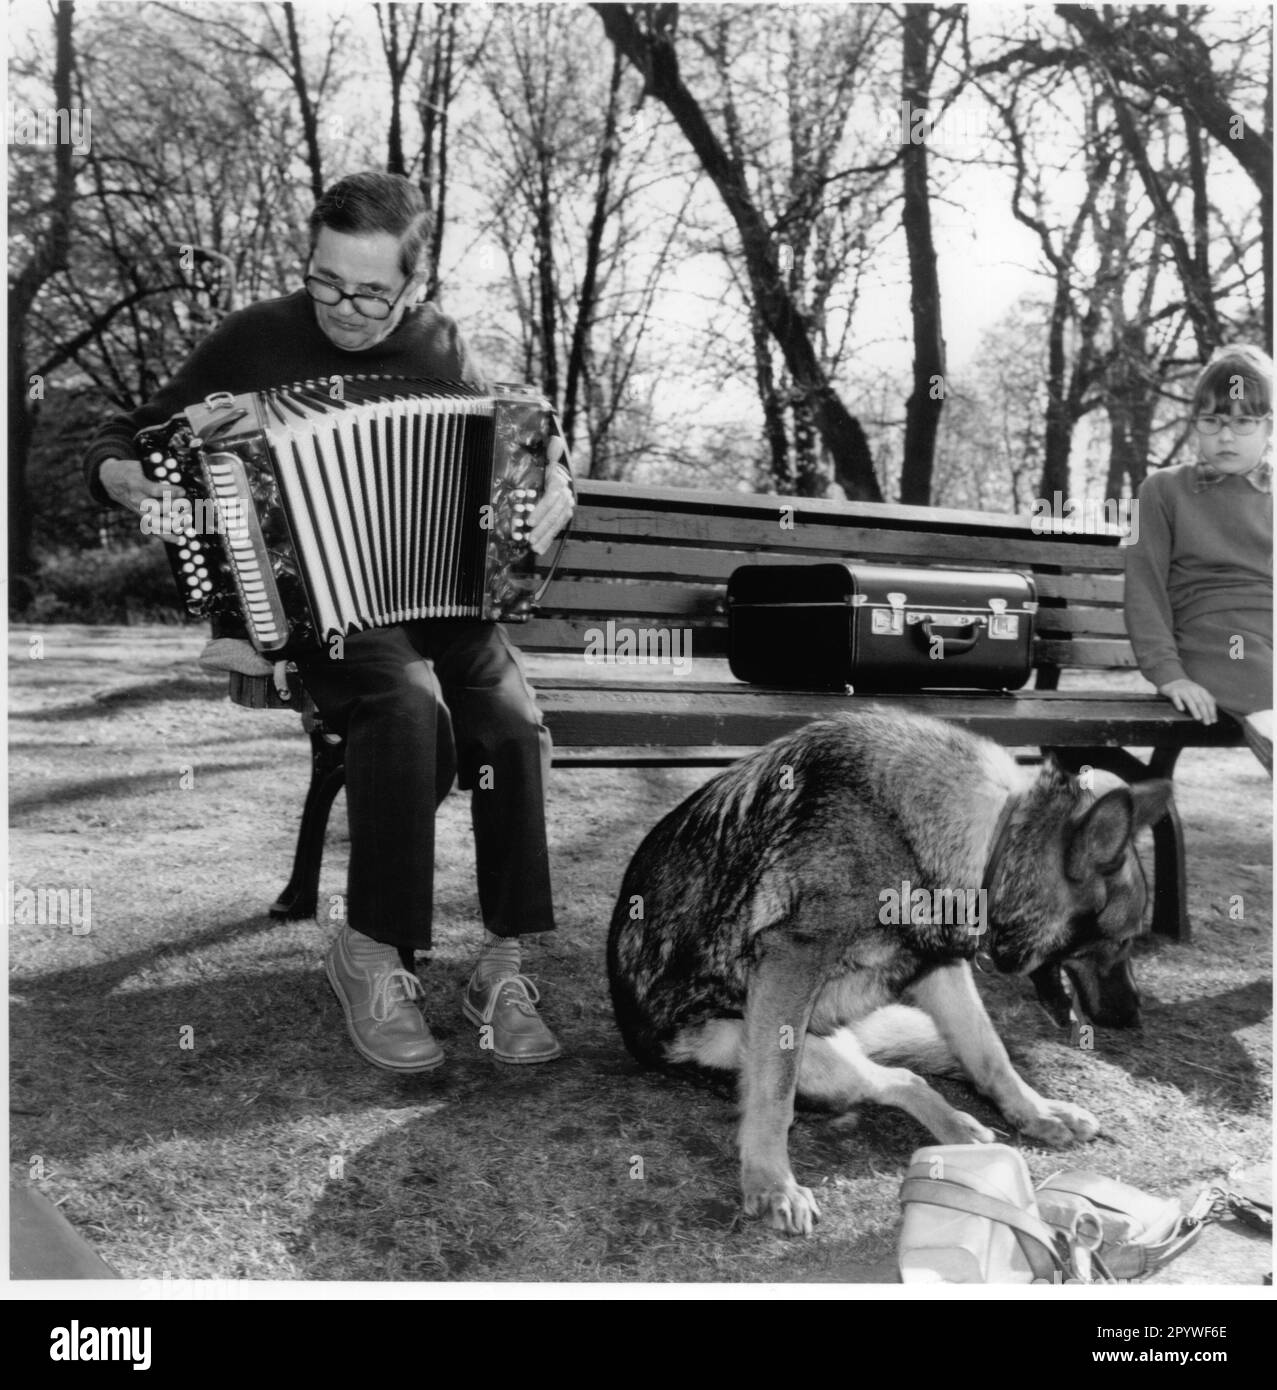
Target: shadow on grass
1192 1041
137 695
125 788
586 1169
254 734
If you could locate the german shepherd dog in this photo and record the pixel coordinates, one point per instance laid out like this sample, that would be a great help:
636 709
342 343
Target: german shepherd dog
771 923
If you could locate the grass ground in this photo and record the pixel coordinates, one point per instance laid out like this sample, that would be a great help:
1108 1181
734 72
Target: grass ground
182 1085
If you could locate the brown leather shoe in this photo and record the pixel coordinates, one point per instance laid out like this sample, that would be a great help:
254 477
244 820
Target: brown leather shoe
508 1007
378 996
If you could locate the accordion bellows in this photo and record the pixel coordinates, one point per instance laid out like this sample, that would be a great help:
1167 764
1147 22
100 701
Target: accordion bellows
358 502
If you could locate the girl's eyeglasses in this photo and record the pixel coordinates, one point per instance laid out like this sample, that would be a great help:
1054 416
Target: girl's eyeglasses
1239 424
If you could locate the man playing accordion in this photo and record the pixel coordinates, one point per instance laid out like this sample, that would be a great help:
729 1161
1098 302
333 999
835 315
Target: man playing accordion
418 702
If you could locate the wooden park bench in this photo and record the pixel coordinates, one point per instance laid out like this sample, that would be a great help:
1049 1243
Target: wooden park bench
657 558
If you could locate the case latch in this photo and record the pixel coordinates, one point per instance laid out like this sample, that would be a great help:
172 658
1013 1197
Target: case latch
890 622
1003 626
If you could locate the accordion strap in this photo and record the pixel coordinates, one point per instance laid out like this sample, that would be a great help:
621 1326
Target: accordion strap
554 565
563 535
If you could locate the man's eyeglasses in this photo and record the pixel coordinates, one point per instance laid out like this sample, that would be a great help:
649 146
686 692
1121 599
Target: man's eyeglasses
1239 424
371 306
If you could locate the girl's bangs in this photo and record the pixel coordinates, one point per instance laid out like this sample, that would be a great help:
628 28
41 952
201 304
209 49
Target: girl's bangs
1219 385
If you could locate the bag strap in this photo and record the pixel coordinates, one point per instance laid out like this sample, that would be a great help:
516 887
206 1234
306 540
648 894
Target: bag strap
1115 1196
1037 1240
1104 1192
1163 1251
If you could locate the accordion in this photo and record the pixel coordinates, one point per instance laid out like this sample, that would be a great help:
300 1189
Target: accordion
326 507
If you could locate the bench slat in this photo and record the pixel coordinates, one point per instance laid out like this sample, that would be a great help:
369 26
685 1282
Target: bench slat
599 597
568 634
615 561
596 597
1098 622
1083 588
673 503
1091 654
846 541
602 717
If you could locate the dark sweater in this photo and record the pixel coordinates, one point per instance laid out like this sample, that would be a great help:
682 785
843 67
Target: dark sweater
1198 553
275 342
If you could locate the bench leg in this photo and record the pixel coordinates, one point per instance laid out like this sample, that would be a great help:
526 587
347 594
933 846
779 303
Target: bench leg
1170 877
327 777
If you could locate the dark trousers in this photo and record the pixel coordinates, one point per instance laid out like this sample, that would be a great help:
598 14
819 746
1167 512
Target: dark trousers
418 705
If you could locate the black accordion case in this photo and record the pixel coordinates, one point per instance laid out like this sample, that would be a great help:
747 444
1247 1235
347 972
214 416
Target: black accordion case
826 626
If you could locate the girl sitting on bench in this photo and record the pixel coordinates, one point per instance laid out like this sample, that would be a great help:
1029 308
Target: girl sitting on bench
1199 580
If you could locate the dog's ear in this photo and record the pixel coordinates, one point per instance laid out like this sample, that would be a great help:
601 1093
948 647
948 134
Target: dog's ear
1152 801
1098 840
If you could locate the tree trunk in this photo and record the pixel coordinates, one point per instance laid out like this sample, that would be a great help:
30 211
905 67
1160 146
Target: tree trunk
1058 438
1266 209
593 249
1198 294
809 473
926 400
21 426
782 475
433 110
652 53
547 306
397 65
310 119
48 257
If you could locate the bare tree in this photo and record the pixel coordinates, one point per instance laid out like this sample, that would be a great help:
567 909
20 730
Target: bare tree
646 35
926 399
785 86
452 56
563 180
45 241
587 299
1147 254
398 50
1163 53
1066 381
183 199
283 51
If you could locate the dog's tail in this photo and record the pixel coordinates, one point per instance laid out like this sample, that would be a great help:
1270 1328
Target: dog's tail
899 1035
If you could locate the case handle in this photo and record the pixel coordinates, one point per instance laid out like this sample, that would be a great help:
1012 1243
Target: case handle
950 646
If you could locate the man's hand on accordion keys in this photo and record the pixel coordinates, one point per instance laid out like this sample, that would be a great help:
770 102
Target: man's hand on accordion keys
557 503
125 481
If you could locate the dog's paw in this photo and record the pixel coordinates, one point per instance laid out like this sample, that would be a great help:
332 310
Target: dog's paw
791 1208
1058 1123
958 1127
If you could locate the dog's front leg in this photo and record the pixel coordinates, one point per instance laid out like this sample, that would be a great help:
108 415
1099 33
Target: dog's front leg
781 988
949 996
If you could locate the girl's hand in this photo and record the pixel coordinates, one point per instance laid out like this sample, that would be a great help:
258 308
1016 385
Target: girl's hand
1188 695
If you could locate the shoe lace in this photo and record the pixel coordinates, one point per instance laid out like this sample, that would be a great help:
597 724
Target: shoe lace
385 995
514 991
